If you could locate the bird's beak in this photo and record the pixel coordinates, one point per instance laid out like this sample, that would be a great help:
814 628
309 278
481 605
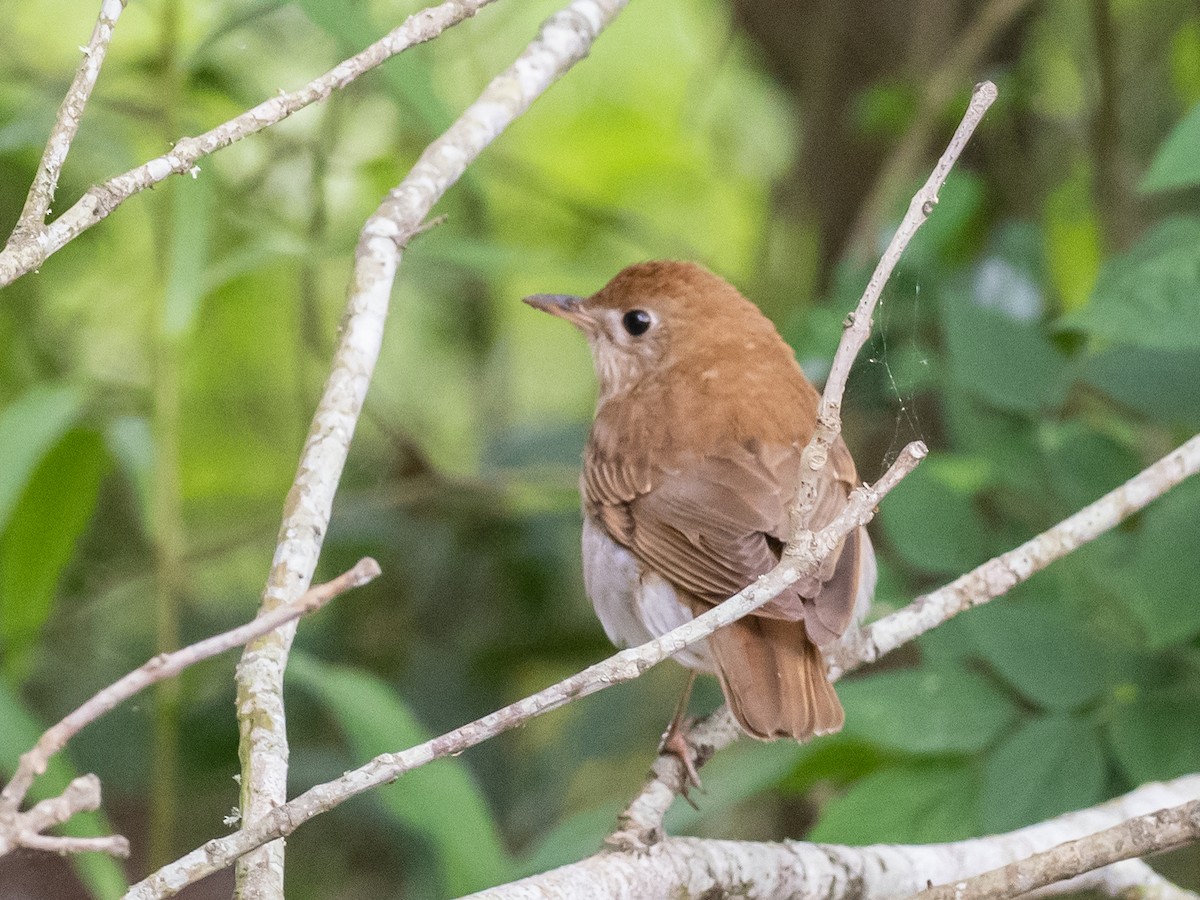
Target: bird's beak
565 306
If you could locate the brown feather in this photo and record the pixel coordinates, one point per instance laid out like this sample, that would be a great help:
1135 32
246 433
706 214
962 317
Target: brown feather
774 680
692 463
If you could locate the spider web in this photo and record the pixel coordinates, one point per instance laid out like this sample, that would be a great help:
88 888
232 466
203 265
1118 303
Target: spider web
907 421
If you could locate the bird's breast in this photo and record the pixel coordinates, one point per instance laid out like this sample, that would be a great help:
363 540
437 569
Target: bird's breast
633 603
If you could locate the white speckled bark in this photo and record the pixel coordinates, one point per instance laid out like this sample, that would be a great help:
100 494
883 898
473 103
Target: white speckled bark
70 113
32 243
565 39
685 868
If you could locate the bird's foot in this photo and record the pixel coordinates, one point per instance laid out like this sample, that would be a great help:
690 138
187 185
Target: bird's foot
675 742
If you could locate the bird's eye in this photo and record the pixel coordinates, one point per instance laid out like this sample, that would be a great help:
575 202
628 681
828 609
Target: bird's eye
636 321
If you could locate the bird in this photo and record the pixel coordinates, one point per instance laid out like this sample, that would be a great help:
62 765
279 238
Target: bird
690 466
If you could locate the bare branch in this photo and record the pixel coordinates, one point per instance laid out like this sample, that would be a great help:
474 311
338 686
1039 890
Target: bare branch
565 38
692 868
113 844
70 113
858 324
1131 879
83 794
30 247
1153 832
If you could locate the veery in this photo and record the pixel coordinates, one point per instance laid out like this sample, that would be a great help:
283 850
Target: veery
689 470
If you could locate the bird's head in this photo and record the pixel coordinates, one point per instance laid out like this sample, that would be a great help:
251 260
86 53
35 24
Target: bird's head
655 316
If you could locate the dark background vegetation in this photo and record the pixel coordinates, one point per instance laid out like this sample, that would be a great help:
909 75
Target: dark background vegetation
157 377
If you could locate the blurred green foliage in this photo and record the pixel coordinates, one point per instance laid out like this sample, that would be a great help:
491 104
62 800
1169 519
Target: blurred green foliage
157 377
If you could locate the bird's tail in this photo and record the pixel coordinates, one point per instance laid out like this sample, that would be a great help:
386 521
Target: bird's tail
774 680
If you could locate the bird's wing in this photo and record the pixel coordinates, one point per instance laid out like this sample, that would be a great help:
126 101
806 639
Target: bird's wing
712 524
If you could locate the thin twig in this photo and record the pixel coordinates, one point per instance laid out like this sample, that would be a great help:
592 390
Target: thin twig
29 248
1130 879
70 113
858 324
112 844
1153 832
81 795
565 38
84 792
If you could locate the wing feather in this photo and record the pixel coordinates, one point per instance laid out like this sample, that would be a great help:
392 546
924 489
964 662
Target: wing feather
712 524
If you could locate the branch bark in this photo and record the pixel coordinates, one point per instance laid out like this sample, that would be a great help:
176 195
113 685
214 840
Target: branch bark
70 113
858 323
564 40
1128 880
83 794
24 830
32 243
1153 832
693 868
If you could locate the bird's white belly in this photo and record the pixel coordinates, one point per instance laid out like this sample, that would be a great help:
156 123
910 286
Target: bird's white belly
633 603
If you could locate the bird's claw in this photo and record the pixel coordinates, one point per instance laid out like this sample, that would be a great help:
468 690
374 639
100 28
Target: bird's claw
674 741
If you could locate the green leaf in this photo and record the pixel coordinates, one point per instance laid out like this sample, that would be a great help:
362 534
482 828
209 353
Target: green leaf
1157 736
838 759
948 646
1073 239
1006 361
1084 464
1147 297
1185 51
439 801
932 524
56 506
1039 648
926 710
19 730
1159 583
1049 766
1156 383
1177 163
29 427
243 15
884 110
1011 277
130 440
913 804
1005 440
